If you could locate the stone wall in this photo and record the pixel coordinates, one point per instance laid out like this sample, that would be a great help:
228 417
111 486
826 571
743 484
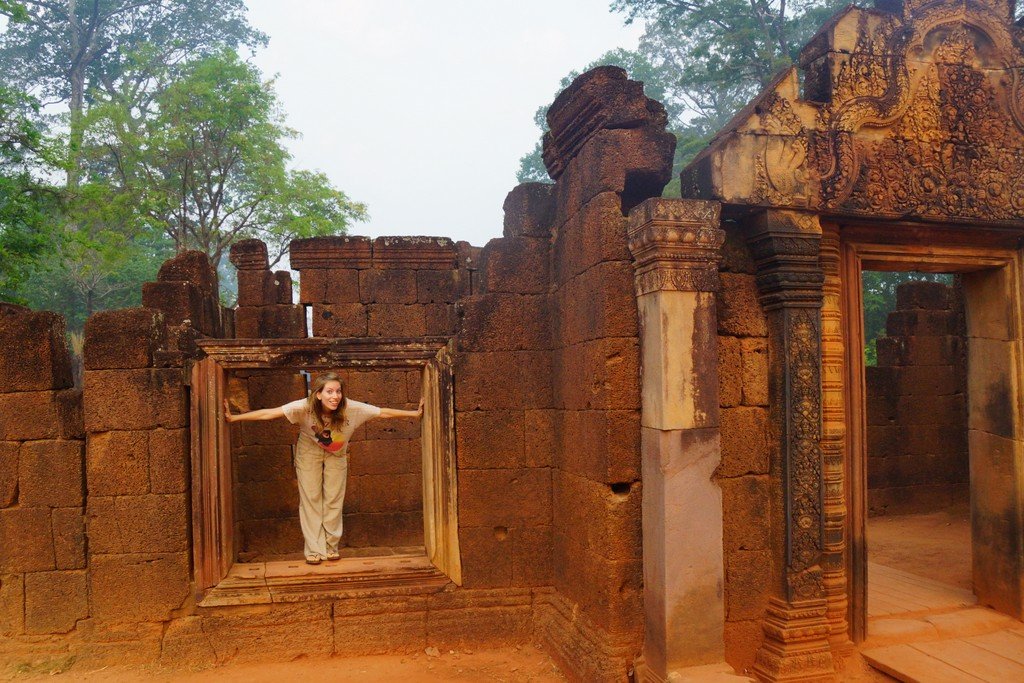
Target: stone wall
744 471
917 405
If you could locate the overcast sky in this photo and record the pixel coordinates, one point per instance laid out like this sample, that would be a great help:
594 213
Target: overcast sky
423 109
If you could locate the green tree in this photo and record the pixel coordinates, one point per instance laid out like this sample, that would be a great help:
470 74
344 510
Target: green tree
208 165
65 51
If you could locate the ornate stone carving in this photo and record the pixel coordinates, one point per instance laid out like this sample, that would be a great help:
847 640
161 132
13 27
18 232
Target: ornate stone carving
795 646
676 245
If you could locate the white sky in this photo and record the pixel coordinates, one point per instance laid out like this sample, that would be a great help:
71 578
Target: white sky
422 110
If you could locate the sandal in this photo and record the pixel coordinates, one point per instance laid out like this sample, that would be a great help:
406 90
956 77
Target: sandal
333 555
313 559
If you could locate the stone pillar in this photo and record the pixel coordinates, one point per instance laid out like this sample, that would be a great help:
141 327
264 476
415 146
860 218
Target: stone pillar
785 246
675 244
833 440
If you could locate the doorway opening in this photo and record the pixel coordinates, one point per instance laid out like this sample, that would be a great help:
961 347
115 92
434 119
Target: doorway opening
918 528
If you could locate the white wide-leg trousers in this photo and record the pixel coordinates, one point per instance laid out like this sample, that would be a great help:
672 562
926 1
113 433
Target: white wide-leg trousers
322 478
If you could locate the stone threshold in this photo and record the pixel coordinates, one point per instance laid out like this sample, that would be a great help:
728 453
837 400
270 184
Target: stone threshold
252 583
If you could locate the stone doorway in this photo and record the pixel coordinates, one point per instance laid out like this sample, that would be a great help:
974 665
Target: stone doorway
991 287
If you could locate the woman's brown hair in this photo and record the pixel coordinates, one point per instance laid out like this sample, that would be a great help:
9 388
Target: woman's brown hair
314 405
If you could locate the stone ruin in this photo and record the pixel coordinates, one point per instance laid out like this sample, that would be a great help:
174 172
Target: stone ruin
644 447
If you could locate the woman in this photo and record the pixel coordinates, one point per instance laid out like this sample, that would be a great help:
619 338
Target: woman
326 421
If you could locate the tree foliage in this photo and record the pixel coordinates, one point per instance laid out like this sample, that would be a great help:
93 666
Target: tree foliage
208 164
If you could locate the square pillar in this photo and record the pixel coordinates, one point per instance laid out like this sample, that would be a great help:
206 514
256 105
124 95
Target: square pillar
675 244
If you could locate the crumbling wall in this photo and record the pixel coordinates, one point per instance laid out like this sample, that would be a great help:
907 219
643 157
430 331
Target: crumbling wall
43 583
744 471
917 405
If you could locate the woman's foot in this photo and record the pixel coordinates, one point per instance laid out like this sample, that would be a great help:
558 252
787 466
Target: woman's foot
333 555
313 559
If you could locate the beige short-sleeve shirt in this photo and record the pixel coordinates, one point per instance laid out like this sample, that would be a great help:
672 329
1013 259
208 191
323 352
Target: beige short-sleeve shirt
335 440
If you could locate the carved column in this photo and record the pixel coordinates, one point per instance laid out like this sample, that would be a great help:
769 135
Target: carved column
833 440
676 246
785 245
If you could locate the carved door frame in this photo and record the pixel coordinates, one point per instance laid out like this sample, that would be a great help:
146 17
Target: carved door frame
982 254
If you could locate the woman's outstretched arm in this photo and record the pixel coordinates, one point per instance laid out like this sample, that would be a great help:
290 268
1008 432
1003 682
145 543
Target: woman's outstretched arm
394 412
261 414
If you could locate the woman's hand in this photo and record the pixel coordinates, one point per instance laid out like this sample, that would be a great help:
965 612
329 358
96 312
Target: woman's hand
227 412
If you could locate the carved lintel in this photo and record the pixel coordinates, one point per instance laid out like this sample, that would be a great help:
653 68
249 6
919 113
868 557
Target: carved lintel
676 245
785 246
795 643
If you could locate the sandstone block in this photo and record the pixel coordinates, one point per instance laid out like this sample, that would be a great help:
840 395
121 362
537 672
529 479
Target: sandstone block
490 439
440 320
508 498
264 433
882 381
633 162
604 519
280 536
730 371
597 303
395 529
532 556
529 210
29 415
739 311
602 445
8 473
27 540
339 320
594 233
921 350
387 286
267 499
745 433
12 605
930 381
415 252
919 322
380 634
748 584
516 265
137 524
134 399
882 409
745 502
249 255
179 301
735 253
504 322
55 601
949 410
742 641
336 251
50 474
501 380
263 463
117 463
278 321
396 320
611 372
35 354
541 430
486 556
755 371
478 627
123 339
168 460
438 286
332 286
68 537
272 389
158 584
384 387
384 493
193 267
263 287
390 456
922 295
883 441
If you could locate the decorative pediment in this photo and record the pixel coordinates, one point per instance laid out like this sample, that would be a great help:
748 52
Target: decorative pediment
912 116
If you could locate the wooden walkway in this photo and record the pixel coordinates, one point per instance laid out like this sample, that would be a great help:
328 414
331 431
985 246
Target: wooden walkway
895 592
952 648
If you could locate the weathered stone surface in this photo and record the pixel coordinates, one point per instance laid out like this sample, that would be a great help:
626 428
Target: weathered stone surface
193 267
919 350
440 320
748 579
137 524
264 463
382 633
611 372
158 584
396 320
387 286
508 498
604 518
478 626
134 399
596 303
730 371
486 554
927 295
8 473
12 604
55 601
930 381
332 286
739 312
249 255
68 537
504 322
532 556
384 493
339 320
541 434
439 286
50 474
364 529
502 380
29 415
117 463
745 433
755 371
179 301
920 322
336 251
168 460
123 339
515 265
35 354
602 445
270 498
594 233
264 288
26 539
278 321
734 252
415 252
529 210
744 502
490 439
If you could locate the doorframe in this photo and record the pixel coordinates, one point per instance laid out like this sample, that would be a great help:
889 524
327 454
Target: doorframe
922 249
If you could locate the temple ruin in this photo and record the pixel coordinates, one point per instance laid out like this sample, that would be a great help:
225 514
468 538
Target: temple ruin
649 422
